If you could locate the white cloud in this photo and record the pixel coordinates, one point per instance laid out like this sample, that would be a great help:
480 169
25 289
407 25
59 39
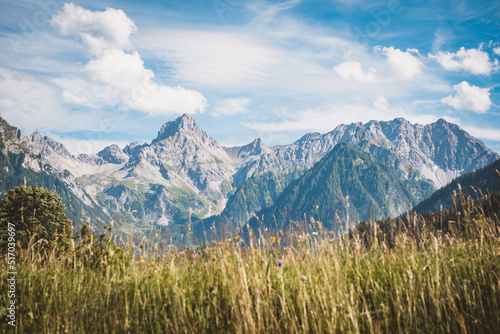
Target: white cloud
381 103
34 105
439 40
115 76
469 97
231 107
99 30
483 132
326 118
399 65
497 51
403 65
29 103
475 61
266 12
223 60
352 70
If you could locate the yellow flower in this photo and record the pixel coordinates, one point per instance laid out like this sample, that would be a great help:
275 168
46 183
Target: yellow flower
142 261
161 277
236 238
254 250
274 239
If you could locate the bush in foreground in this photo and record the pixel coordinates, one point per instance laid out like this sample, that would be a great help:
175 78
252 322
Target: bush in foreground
38 216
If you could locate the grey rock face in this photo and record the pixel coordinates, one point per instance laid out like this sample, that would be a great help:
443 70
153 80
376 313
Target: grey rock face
439 151
45 146
113 154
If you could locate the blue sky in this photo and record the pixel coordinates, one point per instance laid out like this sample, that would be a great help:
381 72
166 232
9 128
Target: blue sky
91 73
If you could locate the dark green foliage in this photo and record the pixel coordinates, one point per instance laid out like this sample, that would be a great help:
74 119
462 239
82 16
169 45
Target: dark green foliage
251 196
37 214
471 184
342 188
255 194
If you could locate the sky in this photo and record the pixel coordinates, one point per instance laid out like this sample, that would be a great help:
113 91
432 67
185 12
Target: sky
93 73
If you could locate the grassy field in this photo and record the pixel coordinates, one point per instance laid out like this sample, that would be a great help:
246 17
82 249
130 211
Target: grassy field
437 273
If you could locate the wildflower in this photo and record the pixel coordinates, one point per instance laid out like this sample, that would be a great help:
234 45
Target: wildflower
236 238
274 239
280 263
152 263
212 288
141 261
304 278
258 292
206 297
116 297
195 255
161 277
254 250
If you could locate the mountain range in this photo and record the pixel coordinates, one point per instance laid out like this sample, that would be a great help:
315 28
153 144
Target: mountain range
184 175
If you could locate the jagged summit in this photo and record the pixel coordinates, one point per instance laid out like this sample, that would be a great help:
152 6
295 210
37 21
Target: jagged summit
113 154
185 123
45 145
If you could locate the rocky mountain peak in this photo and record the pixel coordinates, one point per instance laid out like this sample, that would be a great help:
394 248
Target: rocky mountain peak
185 123
113 154
45 145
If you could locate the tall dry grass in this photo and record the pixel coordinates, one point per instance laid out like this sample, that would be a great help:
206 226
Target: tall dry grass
437 273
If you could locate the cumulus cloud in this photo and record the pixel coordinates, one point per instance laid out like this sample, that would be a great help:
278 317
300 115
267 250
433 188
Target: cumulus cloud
403 65
497 51
398 65
231 107
353 70
116 74
469 97
99 30
475 61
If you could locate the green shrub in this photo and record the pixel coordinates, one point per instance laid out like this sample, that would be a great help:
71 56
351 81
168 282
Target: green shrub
38 216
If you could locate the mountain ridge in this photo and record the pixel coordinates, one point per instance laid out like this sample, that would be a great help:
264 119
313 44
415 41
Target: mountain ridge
183 172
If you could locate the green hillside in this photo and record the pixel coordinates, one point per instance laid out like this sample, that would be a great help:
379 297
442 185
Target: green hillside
347 185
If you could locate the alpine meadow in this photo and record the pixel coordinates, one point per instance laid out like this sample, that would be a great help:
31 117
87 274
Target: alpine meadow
257 166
